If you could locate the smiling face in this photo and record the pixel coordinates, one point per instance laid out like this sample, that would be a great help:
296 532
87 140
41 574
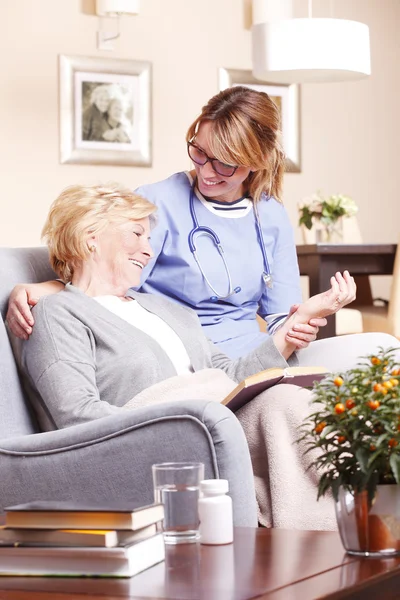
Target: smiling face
115 110
102 98
210 183
120 253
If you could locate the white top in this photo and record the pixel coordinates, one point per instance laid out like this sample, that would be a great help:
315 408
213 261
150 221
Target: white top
139 317
229 210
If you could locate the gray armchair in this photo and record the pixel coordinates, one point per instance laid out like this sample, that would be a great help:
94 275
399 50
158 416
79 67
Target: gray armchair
109 458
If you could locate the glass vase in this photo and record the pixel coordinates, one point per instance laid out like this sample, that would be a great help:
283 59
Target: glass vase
370 528
331 233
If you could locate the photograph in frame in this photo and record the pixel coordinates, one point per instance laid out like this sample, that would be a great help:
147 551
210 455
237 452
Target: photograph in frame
287 99
105 111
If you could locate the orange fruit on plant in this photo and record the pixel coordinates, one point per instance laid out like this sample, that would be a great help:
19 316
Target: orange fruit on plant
373 404
320 426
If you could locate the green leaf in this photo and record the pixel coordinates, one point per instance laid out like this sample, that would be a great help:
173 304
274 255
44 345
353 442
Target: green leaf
362 456
394 462
373 456
380 439
335 485
324 485
306 218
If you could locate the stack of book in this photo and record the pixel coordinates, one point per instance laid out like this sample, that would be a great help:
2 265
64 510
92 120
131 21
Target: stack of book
66 539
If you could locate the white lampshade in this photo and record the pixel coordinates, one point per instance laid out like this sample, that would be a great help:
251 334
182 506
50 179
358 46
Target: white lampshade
310 50
113 8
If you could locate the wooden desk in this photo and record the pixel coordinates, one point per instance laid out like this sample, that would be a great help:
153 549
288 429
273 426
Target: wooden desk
269 564
320 261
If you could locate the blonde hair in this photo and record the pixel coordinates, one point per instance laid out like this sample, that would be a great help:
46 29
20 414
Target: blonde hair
246 132
82 211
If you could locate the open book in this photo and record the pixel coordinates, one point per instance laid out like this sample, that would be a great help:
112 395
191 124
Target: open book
255 384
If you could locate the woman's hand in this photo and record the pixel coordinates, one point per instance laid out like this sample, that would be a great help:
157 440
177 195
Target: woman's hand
342 292
22 297
301 335
111 135
295 333
123 137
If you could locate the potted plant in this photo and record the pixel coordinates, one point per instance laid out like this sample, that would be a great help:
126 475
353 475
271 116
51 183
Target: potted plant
325 214
356 429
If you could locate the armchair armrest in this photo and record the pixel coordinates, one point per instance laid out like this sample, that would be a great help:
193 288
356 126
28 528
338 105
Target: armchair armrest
111 458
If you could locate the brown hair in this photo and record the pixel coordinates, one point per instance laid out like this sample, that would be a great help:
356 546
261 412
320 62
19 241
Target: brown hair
81 211
246 132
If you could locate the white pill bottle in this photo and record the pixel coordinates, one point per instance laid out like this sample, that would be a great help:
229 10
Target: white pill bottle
215 512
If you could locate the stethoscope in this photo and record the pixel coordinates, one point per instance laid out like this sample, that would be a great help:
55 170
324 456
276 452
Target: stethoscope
203 230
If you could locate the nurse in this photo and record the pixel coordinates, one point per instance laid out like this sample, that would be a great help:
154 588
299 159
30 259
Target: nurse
223 243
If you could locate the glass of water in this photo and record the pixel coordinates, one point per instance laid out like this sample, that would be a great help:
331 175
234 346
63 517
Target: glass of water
177 485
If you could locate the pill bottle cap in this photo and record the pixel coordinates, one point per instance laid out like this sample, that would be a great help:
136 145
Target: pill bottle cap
214 486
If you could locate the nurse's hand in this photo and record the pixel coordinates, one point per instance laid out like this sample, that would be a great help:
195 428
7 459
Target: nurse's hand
22 298
301 335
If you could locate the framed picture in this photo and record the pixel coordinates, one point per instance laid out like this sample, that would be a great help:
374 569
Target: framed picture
287 99
105 111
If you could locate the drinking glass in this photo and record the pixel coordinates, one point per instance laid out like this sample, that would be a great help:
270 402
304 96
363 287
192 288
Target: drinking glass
177 485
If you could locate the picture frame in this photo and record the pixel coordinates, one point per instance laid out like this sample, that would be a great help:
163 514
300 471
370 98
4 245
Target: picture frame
287 98
105 111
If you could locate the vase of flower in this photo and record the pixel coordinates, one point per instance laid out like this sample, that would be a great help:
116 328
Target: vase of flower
370 526
331 233
325 216
356 430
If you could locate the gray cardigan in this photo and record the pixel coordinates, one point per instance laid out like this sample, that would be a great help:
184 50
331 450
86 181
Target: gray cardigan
83 362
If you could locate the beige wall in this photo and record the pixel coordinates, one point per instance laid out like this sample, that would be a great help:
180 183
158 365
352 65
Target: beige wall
350 131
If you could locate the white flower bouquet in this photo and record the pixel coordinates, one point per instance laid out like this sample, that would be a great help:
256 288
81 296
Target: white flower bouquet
327 211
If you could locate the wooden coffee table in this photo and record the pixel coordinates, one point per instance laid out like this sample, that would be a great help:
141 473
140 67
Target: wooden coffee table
271 564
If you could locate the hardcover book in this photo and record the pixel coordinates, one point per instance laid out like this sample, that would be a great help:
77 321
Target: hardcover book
121 561
250 387
69 515
95 538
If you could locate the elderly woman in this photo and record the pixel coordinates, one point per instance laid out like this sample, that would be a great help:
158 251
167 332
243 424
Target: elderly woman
94 122
98 347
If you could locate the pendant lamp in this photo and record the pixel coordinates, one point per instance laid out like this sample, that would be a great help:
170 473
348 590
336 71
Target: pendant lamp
310 50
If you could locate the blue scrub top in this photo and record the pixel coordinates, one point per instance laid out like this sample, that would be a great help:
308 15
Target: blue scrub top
174 272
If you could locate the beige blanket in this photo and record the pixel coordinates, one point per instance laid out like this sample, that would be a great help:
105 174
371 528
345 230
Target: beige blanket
286 493
207 384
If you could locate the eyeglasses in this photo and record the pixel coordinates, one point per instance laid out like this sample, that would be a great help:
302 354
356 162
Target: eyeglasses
199 157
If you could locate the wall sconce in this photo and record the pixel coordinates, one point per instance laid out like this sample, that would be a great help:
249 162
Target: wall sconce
308 50
113 8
